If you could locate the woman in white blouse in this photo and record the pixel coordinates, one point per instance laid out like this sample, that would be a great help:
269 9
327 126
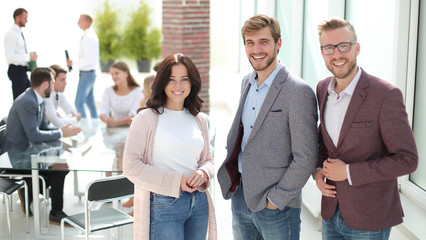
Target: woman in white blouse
167 156
121 101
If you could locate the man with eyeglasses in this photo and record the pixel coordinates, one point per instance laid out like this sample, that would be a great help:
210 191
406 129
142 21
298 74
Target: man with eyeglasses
365 142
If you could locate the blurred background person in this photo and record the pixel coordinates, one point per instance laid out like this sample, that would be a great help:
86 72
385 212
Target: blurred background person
27 126
121 101
57 100
17 54
88 60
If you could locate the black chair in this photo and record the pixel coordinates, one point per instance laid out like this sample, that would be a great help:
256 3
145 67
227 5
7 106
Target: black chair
7 187
2 130
102 190
15 175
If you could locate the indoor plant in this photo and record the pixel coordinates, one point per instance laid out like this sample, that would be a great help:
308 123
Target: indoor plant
107 28
141 41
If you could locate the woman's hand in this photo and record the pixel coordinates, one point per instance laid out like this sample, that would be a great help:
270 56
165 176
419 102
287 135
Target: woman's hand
197 179
184 186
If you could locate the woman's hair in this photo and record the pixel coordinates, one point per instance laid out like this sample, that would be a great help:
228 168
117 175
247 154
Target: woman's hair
147 90
123 67
159 98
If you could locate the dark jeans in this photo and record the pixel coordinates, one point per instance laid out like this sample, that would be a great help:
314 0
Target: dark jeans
18 76
54 179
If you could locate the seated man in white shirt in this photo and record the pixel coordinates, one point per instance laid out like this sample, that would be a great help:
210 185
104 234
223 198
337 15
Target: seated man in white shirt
58 99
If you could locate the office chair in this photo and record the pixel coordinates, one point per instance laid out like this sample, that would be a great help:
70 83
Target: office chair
15 175
46 190
102 190
7 187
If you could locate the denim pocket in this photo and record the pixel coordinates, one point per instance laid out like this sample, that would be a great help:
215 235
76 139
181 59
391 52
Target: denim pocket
159 200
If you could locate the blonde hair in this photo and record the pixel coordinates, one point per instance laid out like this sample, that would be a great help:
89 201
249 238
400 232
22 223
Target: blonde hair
335 23
147 90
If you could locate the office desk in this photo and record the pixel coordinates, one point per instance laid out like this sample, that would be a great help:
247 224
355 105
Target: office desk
96 149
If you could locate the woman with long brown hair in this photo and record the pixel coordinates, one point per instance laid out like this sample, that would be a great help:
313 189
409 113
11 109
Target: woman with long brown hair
167 156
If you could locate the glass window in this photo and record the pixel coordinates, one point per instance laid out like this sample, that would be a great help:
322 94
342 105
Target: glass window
419 127
313 67
375 34
285 16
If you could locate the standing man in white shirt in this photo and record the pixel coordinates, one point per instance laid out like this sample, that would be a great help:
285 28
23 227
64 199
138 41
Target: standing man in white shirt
57 99
88 60
17 56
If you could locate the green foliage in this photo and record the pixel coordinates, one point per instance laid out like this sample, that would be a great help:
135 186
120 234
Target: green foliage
140 41
107 25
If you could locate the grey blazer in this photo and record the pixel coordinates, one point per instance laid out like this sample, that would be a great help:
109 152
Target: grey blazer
26 124
281 151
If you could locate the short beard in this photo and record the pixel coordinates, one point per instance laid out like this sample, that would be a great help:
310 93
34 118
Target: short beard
350 70
270 61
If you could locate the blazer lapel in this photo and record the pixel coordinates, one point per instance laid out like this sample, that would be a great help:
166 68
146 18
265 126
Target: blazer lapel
355 104
323 92
269 100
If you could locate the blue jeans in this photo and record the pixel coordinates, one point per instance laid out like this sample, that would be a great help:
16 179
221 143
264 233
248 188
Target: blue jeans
85 94
336 229
185 217
265 224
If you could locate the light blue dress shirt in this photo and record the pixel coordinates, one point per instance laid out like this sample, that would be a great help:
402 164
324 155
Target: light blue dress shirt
254 101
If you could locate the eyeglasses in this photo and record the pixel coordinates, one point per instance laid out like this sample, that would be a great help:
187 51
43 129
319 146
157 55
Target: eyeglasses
343 47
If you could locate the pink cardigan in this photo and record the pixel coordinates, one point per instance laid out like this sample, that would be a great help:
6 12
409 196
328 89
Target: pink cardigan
137 168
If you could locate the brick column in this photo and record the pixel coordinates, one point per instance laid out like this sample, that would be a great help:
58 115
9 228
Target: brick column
186 29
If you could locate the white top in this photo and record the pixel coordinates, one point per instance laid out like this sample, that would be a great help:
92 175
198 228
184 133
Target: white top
178 142
58 99
14 46
88 56
120 106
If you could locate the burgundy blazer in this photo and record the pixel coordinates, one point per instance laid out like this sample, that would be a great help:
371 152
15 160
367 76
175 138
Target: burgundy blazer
377 142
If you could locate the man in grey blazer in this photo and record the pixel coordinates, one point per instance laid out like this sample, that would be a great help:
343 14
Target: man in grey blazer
365 142
272 143
26 125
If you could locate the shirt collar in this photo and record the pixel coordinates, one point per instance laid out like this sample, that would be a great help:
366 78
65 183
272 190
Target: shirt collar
17 28
269 80
349 90
39 98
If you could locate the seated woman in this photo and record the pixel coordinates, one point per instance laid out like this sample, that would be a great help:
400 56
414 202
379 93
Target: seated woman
121 101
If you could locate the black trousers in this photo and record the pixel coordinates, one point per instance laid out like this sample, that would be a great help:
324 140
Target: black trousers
54 179
18 76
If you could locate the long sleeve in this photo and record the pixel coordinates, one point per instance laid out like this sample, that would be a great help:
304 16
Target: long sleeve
51 112
398 138
136 163
66 106
28 116
206 162
88 58
106 102
137 97
304 147
14 46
